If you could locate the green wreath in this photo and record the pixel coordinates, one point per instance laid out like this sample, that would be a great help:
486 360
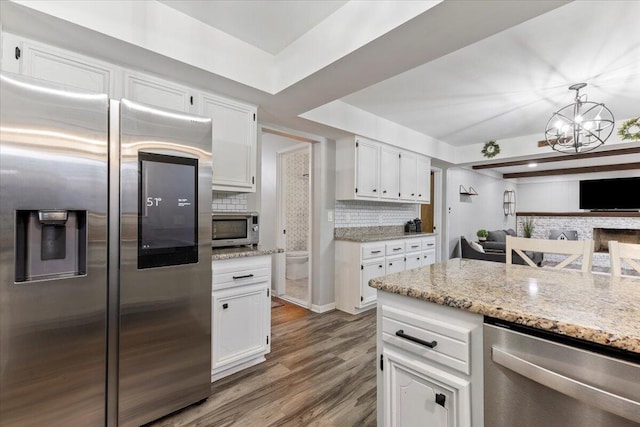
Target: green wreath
490 149
624 131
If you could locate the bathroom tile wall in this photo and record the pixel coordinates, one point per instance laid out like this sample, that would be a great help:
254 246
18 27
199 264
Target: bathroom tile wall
229 202
355 213
296 188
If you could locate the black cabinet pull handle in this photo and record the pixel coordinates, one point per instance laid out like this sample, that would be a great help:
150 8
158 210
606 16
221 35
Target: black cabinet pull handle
379 266
397 249
441 399
375 252
374 190
384 191
242 277
419 195
225 306
431 344
413 194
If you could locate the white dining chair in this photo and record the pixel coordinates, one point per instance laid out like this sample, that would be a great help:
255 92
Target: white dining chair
574 249
619 253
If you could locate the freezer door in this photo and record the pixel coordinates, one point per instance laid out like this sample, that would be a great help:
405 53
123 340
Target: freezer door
53 251
165 262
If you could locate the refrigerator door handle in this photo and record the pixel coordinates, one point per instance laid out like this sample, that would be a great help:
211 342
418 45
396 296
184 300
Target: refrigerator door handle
590 395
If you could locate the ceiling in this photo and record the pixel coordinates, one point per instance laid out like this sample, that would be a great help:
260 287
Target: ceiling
269 25
503 86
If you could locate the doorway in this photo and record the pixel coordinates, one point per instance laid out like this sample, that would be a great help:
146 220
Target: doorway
431 214
294 222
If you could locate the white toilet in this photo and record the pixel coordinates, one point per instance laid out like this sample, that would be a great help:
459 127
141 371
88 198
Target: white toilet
297 265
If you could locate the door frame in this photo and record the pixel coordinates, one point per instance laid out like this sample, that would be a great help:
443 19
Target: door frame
281 222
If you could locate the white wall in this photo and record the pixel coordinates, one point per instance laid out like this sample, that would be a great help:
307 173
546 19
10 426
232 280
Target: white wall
558 193
466 214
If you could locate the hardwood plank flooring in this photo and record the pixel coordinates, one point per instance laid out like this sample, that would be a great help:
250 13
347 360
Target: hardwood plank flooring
321 372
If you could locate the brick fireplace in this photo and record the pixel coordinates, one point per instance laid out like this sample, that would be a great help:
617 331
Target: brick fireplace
599 226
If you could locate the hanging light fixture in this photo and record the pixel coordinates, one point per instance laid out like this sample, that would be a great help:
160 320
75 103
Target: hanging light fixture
579 127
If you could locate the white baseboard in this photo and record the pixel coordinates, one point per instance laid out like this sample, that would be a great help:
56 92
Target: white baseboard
323 308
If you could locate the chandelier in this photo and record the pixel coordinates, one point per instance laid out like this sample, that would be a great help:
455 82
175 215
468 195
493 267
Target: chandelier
579 127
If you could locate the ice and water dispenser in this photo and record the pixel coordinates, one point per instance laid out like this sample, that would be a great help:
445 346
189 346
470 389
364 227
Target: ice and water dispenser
50 244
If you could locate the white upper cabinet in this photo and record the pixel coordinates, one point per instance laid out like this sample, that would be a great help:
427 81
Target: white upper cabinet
389 173
367 158
158 92
234 143
424 180
408 176
372 170
45 62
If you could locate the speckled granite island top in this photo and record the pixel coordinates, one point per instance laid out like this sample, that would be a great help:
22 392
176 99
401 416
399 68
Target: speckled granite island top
593 307
242 251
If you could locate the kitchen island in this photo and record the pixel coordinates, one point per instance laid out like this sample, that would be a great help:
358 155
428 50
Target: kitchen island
446 303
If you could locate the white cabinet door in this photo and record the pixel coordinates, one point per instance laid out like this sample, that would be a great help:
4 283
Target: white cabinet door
367 167
60 66
413 260
234 143
158 92
370 270
408 176
389 173
239 329
413 397
395 264
424 179
428 257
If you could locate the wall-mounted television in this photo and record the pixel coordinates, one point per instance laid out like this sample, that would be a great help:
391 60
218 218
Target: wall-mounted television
610 194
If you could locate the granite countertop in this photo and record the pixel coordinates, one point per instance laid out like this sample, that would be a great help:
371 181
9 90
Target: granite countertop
594 307
242 251
364 238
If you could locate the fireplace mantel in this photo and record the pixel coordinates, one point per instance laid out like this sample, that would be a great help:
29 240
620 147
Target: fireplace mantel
609 214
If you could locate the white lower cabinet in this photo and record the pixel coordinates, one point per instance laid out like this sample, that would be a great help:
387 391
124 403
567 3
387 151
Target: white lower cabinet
356 263
371 269
241 314
417 394
430 364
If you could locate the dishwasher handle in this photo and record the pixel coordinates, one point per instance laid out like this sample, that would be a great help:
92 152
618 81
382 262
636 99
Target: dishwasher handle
586 393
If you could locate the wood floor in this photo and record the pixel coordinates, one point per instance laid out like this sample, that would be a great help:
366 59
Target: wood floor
321 372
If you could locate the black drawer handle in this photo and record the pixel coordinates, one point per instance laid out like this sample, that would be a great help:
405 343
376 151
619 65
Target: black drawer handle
397 249
431 344
415 246
375 252
431 244
225 306
246 276
375 191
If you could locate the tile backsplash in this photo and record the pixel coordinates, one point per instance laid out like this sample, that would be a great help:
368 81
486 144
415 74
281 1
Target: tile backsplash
355 213
296 195
229 202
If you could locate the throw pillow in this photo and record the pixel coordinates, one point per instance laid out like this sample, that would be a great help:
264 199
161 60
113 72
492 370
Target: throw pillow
511 232
477 247
498 236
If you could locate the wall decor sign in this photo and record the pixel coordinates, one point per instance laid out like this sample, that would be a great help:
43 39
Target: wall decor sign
490 149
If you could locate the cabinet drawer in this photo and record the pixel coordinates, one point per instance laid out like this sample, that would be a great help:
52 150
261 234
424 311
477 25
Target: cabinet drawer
394 248
413 246
240 272
413 260
452 343
429 243
373 251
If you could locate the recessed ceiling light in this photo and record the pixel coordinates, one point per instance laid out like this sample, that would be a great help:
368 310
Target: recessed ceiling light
532 164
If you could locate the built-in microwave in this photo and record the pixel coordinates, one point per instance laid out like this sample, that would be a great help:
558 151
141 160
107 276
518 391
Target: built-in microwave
234 229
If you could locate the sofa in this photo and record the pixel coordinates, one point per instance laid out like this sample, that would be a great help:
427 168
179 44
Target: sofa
497 240
468 251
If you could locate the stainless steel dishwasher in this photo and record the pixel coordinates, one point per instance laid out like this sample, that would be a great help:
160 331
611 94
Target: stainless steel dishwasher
534 378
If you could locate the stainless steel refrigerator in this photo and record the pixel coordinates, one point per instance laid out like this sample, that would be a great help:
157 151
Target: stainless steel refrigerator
105 258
